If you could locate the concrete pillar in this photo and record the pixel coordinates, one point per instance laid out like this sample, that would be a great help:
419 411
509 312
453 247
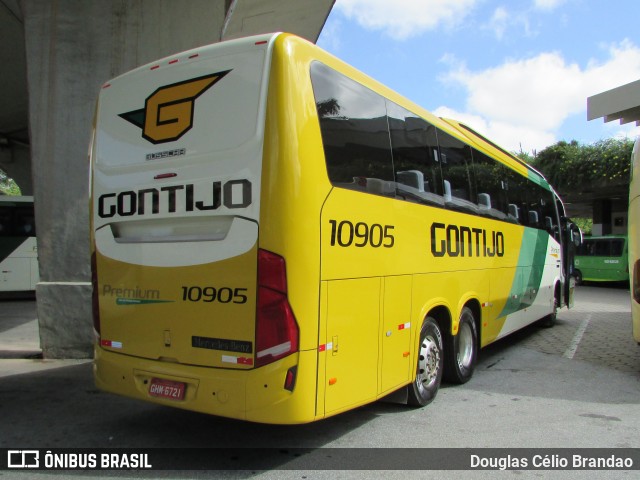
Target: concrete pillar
73 47
602 222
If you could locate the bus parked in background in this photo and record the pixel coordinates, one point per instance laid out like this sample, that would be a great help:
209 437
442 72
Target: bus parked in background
277 237
634 239
18 246
602 259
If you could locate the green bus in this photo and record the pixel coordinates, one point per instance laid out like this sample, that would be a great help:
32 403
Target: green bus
602 259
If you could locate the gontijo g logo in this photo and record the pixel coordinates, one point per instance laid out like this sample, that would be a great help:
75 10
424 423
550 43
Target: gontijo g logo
168 112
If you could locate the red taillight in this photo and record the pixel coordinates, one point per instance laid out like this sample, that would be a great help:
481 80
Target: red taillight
276 327
272 272
95 307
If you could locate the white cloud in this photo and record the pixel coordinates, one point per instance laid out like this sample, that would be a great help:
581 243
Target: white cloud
628 130
531 98
401 19
503 19
499 22
510 136
547 4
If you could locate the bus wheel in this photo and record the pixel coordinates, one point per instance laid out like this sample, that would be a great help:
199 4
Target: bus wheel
550 320
577 274
429 366
461 350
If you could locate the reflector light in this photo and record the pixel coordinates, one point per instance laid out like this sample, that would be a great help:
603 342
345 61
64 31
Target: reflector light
164 175
262 42
173 61
290 379
194 55
155 67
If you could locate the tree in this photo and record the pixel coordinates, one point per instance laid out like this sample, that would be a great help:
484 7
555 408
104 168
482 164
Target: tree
570 166
7 185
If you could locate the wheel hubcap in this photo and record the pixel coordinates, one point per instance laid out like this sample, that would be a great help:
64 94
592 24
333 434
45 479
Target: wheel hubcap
428 363
465 354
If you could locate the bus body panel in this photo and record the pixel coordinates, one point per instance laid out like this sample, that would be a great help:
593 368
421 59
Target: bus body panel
294 180
603 259
254 395
177 193
181 314
18 245
19 270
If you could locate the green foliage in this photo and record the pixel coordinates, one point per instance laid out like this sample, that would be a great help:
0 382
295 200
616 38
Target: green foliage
585 225
7 185
570 166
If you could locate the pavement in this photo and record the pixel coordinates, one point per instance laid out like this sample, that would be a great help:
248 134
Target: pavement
575 385
20 350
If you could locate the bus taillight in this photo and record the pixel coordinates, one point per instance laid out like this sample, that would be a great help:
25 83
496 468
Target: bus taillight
95 307
276 326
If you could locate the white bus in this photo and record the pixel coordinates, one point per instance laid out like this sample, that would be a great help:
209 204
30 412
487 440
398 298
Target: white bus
18 246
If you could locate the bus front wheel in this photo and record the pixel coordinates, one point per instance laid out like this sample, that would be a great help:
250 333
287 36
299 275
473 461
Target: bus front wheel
461 350
429 365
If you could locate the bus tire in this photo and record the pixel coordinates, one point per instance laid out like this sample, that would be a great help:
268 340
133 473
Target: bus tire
550 320
577 274
428 366
461 350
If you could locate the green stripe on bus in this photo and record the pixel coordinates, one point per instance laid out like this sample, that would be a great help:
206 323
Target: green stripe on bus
526 282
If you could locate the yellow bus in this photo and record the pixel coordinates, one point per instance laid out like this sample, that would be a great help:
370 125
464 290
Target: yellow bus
633 240
277 237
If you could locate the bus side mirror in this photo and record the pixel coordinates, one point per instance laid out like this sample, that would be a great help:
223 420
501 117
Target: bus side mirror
576 235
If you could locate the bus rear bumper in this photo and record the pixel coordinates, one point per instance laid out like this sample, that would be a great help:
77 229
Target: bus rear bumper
257 395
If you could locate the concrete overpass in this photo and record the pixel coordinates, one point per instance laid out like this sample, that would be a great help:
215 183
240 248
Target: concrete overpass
55 56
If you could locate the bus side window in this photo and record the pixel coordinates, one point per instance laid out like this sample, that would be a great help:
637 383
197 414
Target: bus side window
602 248
491 185
518 210
457 175
355 136
617 247
414 147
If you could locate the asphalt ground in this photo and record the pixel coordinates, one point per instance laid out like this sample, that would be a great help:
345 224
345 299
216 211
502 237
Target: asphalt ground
575 385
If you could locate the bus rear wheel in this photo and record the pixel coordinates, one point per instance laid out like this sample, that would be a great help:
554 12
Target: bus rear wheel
461 350
429 365
577 274
550 320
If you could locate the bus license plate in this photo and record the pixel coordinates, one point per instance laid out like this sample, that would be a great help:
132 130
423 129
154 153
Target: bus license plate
166 389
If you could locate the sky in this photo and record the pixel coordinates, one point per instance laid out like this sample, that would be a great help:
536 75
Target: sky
517 71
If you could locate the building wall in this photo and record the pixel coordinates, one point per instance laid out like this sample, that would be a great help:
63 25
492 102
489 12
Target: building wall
610 217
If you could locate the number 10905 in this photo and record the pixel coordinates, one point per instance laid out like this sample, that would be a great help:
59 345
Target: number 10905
361 234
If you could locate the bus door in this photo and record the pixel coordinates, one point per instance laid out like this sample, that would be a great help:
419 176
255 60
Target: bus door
572 238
